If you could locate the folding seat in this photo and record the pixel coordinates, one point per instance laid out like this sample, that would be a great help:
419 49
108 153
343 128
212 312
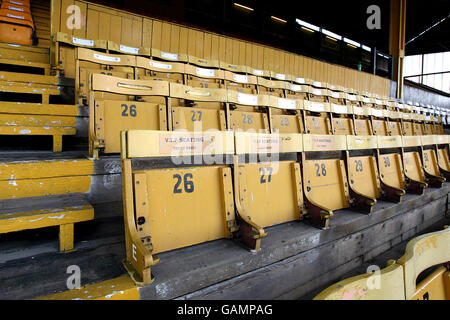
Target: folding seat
169 203
428 124
393 184
116 104
148 69
93 62
285 115
268 191
16 23
394 123
341 114
271 87
197 109
203 77
324 178
361 116
316 113
415 179
362 172
430 162
438 127
247 112
240 82
442 150
409 121
297 91
378 116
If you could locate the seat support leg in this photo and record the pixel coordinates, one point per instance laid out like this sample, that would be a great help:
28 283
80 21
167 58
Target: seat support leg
66 237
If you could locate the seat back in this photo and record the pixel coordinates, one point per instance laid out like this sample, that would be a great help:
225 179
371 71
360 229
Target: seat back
362 171
341 114
148 69
240 82
286 115
247 112
271 87
421 253
269 192
361 116
414 174
201 204
322 177
93 62
107 117
316 116
203 77
390 168
197 109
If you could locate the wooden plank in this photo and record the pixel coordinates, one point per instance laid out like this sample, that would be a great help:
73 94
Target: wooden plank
36 120
44 218
28 78
39 109
13 189
18 89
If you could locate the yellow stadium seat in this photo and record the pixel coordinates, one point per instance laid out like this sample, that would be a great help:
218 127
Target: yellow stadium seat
271 87
362 171
247 112
341 114
90 61
108 117
148 69
286 115
240 82
197 109
267 192
203 77
322 177
414 173
175 207
390 167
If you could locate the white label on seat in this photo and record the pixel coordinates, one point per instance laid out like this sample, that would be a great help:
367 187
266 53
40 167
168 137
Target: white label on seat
131 50
286 103
339 108
317 92
14 2
300 80
248 99
160 65
258 72
106 58
377 113
366 100
351 97
240 78
16 9
15 17
317 83
317 106
405 115
205 72
335 95
280 76
296 87
427 117
83 42
170 56
377 101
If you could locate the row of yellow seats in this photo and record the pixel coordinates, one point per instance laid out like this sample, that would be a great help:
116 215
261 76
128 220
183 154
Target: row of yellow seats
122 104
185 188
398 281
111 46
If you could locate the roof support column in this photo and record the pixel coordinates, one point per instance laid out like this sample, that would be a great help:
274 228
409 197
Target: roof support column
397 41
